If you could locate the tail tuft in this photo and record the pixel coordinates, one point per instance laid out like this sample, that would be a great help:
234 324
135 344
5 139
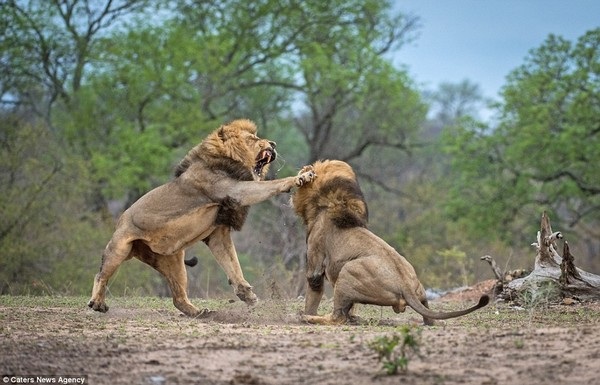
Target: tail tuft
484 300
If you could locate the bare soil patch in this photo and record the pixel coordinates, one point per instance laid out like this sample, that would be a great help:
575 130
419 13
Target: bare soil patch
147 341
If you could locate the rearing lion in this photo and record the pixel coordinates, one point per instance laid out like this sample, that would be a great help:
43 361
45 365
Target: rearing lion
362 267
214 186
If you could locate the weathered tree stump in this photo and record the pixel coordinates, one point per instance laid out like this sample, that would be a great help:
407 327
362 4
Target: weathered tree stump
503 277
554 278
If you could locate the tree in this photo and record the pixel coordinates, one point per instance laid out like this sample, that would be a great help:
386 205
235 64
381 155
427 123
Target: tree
125 93
38 185
352 96
141 111
46 47
539 155
453 101
438 247
51 232
326 60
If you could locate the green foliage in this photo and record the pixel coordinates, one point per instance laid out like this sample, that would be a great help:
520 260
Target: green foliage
50 239
539 156
136 161
46 46
455 260
109 96
125 93
41 201
396 350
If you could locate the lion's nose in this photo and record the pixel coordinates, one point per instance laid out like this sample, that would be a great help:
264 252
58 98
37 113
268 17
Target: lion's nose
273 144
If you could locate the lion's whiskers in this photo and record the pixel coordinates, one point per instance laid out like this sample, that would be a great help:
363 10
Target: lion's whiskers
280 163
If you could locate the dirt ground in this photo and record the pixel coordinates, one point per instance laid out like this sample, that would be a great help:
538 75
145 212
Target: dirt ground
146 341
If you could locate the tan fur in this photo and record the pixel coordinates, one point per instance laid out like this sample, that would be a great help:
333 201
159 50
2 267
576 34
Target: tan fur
362 267
213 187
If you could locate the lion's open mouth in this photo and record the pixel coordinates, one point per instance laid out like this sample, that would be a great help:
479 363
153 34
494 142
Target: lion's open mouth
264 157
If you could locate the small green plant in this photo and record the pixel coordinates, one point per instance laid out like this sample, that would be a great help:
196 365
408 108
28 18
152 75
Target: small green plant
395 351
519 343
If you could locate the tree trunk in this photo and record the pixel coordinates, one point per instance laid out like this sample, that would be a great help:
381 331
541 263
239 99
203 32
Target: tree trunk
554 277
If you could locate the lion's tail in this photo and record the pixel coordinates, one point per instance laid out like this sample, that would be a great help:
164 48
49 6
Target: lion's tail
428 313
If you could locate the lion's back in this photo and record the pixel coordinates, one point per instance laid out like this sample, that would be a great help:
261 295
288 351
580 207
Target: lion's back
163 204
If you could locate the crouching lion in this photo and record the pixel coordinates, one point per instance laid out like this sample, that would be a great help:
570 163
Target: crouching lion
213 187
362 267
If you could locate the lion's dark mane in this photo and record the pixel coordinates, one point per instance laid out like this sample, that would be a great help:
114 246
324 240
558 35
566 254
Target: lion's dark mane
347 190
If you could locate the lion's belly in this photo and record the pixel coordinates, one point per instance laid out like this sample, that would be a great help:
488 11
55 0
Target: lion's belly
181 232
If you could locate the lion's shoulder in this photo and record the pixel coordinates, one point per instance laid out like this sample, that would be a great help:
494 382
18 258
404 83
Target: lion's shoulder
217 165
231 213
230 167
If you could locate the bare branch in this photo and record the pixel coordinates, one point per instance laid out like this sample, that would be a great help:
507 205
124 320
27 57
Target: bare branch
25 215
385 187
591 190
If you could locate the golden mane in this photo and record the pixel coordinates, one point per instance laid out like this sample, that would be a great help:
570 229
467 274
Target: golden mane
225 142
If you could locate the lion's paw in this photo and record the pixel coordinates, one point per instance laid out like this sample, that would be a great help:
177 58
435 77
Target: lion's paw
306 168
246 294
200 313
305 177
328 319
98 306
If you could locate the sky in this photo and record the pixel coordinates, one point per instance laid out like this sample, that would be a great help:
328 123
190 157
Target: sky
484 40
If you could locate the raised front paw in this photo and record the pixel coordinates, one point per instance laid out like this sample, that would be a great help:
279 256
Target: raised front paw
306 168
306 175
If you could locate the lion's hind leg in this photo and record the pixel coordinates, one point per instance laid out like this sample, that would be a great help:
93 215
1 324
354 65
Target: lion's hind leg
172 267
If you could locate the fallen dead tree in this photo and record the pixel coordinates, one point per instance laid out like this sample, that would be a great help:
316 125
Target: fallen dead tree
554 277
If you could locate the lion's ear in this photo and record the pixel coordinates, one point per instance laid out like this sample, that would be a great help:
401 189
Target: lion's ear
227 132
222 133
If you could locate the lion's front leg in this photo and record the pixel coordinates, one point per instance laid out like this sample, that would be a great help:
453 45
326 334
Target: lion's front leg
315 279
114 254
315 272
253 192
221 246
314 294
